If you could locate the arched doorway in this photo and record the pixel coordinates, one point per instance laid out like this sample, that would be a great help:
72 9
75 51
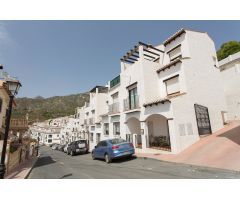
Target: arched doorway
158 132
134 131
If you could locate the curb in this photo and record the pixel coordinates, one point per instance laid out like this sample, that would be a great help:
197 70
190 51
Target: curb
190 165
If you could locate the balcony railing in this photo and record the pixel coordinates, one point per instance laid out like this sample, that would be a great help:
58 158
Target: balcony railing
92 121
131 104
115 81
113 108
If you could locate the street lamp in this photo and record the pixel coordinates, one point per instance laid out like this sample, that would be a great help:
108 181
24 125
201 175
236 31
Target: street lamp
13 86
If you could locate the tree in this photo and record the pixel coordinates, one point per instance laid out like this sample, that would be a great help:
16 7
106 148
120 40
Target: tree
227 49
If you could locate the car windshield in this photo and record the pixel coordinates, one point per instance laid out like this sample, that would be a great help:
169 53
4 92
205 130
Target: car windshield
80 141
117 141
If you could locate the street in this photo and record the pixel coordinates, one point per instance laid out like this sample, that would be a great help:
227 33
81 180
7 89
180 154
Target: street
54 164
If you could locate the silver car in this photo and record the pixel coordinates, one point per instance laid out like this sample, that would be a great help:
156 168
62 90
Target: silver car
65 149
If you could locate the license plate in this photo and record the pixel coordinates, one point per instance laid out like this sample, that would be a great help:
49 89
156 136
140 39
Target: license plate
125 153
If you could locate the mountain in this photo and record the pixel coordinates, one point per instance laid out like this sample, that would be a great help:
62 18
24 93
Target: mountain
40 108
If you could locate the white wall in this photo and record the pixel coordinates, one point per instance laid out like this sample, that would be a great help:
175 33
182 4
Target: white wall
230 73
203 87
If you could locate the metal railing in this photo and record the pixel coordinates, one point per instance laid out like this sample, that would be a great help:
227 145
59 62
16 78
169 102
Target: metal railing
113 108
131 104
115 81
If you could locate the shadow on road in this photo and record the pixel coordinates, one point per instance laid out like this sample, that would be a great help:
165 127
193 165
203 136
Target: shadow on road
46 160
66 175
124 159
120 160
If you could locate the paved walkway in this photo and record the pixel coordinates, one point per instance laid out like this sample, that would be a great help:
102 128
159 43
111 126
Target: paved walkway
22 171
219 150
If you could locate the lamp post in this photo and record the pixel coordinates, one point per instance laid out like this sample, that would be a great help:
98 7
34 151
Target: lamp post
13 87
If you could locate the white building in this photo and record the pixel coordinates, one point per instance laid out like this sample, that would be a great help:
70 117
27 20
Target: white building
230 72
70 130
164 99
48 132
90 116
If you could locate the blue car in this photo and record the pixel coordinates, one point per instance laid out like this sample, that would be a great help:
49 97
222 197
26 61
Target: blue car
113 148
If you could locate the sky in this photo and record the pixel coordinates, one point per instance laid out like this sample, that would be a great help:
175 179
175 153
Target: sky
55 58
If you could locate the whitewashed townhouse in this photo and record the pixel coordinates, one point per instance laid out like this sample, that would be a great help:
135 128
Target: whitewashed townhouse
90 115
167 96
230 72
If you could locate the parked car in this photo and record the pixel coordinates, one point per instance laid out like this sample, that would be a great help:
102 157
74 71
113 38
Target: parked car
51 144
54 146
60 147
77 147
65 149
113 148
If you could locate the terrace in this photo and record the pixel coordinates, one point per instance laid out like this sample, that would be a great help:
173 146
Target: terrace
149 53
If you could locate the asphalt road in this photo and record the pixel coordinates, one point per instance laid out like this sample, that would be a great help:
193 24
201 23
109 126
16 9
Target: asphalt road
54 164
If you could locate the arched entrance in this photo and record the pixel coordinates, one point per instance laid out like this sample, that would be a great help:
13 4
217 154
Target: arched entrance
158 132
134 131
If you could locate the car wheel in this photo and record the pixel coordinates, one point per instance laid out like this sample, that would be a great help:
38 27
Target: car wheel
107 158
93 157
72 153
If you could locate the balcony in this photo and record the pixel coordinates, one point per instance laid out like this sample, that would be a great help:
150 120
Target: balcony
115 81
131 104
92 121
113 108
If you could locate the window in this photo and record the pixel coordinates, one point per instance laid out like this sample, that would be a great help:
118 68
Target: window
172 85
175 53
49 140
115 81
49 136
106 129
98 137
104 143
91 137
133 98
117 141
129 138
116 128
115 97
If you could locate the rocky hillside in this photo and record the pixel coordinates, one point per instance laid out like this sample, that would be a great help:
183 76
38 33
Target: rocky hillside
40 108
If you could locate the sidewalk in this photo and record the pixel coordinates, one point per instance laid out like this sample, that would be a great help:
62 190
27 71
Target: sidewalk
219 150
23 170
